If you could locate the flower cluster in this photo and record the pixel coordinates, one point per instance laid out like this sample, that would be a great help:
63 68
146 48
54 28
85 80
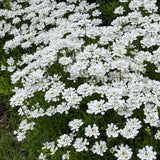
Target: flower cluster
147 153
123 152
93 76
131 128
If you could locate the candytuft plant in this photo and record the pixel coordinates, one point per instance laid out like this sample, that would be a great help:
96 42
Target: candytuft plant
84 90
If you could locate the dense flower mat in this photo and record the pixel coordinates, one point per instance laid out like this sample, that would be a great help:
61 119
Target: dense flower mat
81 88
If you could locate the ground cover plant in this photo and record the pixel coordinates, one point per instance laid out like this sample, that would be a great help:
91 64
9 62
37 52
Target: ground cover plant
83 90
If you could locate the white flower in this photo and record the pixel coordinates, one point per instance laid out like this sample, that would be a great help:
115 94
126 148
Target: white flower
85 89
128 132
97 70
92 131
11 68
152 118
134 123
21 136
135 4
53 148
50 146
3 68
80 144
131 128
23 127
66 156
111 131
95 107
10 61
75 124
150 6
147 153
50 111
64 141
73 100
52 94
157 135
96 13
42 156
72 1
119 10
61 108
46 145
99 148
65 60
123 0
16 20
123 153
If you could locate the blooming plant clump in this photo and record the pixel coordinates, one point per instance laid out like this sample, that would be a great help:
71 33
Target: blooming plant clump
82 89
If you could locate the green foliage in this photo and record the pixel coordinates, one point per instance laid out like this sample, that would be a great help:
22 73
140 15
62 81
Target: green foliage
10 148
107 8
5 4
